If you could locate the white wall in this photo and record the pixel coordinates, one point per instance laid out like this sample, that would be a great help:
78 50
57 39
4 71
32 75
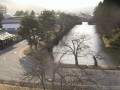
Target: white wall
6 26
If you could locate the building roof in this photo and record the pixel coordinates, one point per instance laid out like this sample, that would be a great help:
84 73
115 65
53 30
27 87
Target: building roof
5 35
7 15
9 19
12 20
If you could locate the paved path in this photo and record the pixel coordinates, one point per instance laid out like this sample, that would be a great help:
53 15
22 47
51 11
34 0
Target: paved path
12 61
104 79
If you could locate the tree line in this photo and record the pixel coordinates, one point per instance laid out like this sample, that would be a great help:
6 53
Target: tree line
107 20
2 11
24 13
48 28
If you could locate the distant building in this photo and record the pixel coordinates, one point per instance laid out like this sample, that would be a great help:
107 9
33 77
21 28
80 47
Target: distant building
5 39
11 23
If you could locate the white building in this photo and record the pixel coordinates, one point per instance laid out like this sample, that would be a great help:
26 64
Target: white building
11 23
6 39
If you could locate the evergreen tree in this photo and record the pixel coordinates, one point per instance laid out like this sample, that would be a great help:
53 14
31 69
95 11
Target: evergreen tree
28 30
32 13
105 16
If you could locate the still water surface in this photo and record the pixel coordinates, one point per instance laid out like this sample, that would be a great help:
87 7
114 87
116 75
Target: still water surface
107 56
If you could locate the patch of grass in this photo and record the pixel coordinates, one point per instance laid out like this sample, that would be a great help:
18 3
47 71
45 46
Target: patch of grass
52 37
106 41
42 43
114 40
15 87
28 51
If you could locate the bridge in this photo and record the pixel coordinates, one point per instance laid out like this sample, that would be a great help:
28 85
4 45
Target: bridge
90 21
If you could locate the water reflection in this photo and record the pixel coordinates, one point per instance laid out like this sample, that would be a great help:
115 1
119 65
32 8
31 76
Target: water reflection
108 56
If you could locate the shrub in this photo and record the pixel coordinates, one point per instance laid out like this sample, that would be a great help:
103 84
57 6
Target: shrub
112 42
106 36
116 31
117 37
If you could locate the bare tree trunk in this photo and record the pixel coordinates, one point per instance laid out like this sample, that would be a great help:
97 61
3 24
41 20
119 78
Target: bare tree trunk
42 81
95 61
76 60
35 42
31 48
30 42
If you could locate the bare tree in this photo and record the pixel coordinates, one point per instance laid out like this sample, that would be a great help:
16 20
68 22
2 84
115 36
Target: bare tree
95 57
77 47
98 56
72 79
61 77
40 68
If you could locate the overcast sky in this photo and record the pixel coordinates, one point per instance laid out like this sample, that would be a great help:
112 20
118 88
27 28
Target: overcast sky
66 5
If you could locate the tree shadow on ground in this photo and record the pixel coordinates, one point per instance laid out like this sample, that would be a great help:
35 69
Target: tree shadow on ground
26 63
7 49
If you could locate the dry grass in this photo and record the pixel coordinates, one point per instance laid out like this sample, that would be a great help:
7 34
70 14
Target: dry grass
27 51
106 41
15 87
42 43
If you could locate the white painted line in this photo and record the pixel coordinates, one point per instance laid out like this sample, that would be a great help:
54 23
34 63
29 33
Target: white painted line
4 58
15 52
22 57
21 52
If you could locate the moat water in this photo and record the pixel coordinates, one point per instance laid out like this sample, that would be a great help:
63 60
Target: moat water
95 43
